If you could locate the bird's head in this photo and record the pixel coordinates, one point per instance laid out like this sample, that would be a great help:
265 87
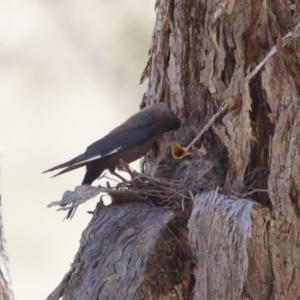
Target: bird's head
165 118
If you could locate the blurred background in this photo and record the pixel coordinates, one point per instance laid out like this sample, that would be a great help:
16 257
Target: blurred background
69 73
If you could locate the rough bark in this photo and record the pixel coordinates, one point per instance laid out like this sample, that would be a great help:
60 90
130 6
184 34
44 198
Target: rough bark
202 54
6 292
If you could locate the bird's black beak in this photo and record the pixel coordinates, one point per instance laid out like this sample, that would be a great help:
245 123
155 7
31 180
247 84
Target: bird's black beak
177 126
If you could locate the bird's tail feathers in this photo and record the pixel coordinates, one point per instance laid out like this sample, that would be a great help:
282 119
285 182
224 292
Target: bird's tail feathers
68 169
69 163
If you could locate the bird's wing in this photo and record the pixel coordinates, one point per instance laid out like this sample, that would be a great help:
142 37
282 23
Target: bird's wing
110 144
116 142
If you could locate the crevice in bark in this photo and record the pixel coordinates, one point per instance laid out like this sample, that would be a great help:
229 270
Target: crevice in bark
169 269
262 129
229 61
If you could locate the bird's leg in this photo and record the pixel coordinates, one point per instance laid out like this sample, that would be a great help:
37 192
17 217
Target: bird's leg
126 168
117 175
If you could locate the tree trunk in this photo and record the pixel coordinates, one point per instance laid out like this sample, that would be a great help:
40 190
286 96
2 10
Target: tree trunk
241 240
6 292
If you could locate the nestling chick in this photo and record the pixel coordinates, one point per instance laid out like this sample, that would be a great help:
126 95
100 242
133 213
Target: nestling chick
197 168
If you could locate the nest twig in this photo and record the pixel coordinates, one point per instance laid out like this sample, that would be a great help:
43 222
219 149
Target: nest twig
141 188
220 110
280 44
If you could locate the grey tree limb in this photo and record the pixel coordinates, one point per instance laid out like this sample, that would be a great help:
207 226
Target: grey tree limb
6 292
113 252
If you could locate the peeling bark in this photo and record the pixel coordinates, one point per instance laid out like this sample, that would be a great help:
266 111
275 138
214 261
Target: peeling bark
218 231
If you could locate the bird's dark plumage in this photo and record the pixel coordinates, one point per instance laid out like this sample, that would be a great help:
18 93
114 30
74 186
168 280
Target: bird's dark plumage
129 141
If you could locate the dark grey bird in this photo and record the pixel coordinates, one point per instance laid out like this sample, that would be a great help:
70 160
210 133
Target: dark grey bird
129 141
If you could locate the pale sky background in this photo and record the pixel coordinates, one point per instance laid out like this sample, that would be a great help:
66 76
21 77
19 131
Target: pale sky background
69 73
